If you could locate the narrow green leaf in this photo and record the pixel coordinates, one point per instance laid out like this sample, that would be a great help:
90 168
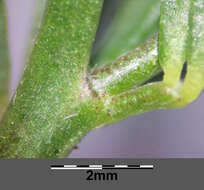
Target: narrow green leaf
4 60
181 41
134 22
130 70
194 82
173 38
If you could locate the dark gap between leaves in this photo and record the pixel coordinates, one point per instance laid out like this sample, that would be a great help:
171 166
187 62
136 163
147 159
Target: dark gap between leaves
184 71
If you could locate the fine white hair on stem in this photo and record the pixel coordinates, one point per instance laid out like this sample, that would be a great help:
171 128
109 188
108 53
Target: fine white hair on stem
70 116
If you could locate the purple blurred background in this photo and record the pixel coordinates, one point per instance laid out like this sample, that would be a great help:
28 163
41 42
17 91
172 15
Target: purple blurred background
159 134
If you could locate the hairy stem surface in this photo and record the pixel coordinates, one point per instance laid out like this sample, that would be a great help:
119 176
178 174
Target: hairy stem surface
58 101
35 123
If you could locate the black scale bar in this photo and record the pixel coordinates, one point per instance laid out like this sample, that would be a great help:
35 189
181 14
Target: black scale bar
99 167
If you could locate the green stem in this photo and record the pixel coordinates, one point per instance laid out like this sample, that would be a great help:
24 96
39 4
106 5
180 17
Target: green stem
35 121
